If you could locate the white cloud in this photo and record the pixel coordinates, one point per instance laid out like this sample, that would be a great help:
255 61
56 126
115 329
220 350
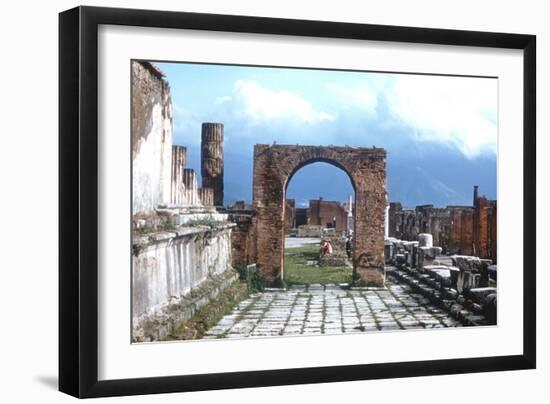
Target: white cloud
363 96
451 110
258 104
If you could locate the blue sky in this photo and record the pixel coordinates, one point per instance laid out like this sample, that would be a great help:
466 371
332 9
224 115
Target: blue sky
440 132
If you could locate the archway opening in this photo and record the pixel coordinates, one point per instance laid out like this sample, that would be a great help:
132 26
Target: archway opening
318 225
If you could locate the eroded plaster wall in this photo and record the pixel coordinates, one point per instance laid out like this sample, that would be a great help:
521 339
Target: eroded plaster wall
151 138
168 268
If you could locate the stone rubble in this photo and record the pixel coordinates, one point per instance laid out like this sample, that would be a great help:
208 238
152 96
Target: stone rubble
459 283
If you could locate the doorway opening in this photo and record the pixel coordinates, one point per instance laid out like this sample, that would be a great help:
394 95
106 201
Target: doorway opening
318 228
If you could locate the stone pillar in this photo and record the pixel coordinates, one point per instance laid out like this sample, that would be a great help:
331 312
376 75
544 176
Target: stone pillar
349 224
387 221
179 158
425 240
191 192
212 159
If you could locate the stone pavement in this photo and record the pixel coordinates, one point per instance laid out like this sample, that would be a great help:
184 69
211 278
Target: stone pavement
330 309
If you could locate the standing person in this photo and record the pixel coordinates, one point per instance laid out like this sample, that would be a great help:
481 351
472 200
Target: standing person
348 247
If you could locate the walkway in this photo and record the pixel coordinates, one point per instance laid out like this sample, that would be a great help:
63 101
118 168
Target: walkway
330 309
295 242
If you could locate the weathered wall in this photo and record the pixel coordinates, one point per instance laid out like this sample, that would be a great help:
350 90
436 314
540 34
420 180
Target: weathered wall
175 263
275 165
436 221
469 230
484 222
151 138
323 212
243 239
461 231
290 215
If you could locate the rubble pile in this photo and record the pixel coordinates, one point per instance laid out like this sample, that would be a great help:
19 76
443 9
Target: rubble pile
463 285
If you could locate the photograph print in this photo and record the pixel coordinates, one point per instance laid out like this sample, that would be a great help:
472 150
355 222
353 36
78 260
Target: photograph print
286 202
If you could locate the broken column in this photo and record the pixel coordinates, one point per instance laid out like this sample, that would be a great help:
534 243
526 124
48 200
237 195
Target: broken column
471 269
212 159
179 159
427 253
425 240
191 188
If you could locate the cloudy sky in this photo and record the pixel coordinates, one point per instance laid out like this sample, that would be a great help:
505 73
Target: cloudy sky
440 132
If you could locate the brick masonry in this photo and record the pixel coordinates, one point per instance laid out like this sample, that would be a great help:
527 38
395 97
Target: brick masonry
467 230
274 166
323 212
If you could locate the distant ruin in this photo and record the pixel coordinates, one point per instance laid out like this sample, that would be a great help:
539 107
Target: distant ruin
329 214
468 230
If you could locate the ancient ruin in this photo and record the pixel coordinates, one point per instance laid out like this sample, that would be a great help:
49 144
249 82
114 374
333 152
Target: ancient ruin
274 166
212 159
195 259
328 214
469 230
181 244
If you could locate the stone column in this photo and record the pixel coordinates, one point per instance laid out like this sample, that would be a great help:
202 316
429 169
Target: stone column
387 221
212 159
179 158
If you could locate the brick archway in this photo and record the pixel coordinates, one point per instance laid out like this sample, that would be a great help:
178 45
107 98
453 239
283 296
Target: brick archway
274 166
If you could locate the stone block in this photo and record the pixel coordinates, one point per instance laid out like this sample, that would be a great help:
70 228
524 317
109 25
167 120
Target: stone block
479 295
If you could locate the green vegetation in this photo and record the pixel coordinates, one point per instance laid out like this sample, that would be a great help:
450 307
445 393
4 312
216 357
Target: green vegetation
297 271
211 314
145 230
254 280
166 225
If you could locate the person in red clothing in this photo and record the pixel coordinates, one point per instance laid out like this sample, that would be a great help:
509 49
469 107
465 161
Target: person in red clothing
326 248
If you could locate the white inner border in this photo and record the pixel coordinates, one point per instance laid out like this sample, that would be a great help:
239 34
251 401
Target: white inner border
119 359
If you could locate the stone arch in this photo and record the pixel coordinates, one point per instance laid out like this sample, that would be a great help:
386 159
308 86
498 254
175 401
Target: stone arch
274 166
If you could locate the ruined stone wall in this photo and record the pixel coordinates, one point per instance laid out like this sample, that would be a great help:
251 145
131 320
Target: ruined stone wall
212 159
300 216
467 230
492 234
290 215
323 212
151 138
436 221
167 266
243 239
394 216
461 232
402 222
485 228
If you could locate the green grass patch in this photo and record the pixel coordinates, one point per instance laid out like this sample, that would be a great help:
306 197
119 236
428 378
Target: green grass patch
298 272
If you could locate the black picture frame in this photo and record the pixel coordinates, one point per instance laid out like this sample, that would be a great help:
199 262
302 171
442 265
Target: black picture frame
78 200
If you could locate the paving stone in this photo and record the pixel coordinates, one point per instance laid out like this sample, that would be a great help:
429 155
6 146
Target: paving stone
330 310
